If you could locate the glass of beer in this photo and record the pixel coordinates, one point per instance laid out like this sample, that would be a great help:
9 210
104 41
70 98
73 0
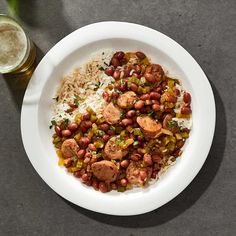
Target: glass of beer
17 51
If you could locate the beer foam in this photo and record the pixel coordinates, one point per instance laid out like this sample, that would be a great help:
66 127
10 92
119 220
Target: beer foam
13 45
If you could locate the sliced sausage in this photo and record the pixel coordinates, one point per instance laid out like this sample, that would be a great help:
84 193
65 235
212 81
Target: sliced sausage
137 175
148 126
105 170
112 149
112 113
69 148
127 100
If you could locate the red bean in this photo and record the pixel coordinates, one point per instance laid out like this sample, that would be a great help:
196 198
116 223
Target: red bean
116 74
123 182
81 153
184 110
85 116
106 137
115 62
77 174
155 95
147 159
104 127
68 162
84 142
134 87
127 121
149 77
73 126
143 175
123 87
135 156
103 187
127 71
137 69
87 123
109 71
130 113
140 55
176 92
139 105
106 96
92 147
58 130
111 132
166 120
156 158
156 107
113 186
66 133
119 55
145 97
124 163
187 97
171 98
115 94
155 102
95 184
84 178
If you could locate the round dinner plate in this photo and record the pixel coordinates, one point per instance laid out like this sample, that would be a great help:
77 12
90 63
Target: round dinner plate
71 52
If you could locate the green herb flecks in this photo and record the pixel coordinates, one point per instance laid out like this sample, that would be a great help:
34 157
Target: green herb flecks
100 132
76 100
97 86
150 113
172 123
53 123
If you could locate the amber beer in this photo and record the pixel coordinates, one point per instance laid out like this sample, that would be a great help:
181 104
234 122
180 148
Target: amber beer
17 52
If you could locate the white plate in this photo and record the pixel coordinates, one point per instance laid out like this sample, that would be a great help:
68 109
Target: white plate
74 50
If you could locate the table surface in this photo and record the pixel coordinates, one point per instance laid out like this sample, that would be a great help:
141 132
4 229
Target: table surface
207 29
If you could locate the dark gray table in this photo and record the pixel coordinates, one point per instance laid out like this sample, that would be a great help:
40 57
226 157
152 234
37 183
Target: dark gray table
207 29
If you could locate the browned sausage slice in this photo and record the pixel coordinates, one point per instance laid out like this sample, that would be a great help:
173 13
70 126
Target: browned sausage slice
137 175
149 126
112 149
105 170
112 113
69 148
127 100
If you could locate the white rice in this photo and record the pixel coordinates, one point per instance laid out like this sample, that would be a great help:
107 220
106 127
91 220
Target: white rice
86 85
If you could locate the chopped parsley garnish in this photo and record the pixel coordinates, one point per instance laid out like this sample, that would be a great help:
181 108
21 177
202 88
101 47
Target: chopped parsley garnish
119 92
76 100
100 132
56 98
135 143
172 123
150 113
97 86
53 123
75 158
101 68
66 122
112 127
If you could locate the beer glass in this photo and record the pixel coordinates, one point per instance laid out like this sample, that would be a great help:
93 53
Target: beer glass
17 51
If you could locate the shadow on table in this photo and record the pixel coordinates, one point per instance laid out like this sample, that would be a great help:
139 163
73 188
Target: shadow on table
46 15
189 196
17 85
